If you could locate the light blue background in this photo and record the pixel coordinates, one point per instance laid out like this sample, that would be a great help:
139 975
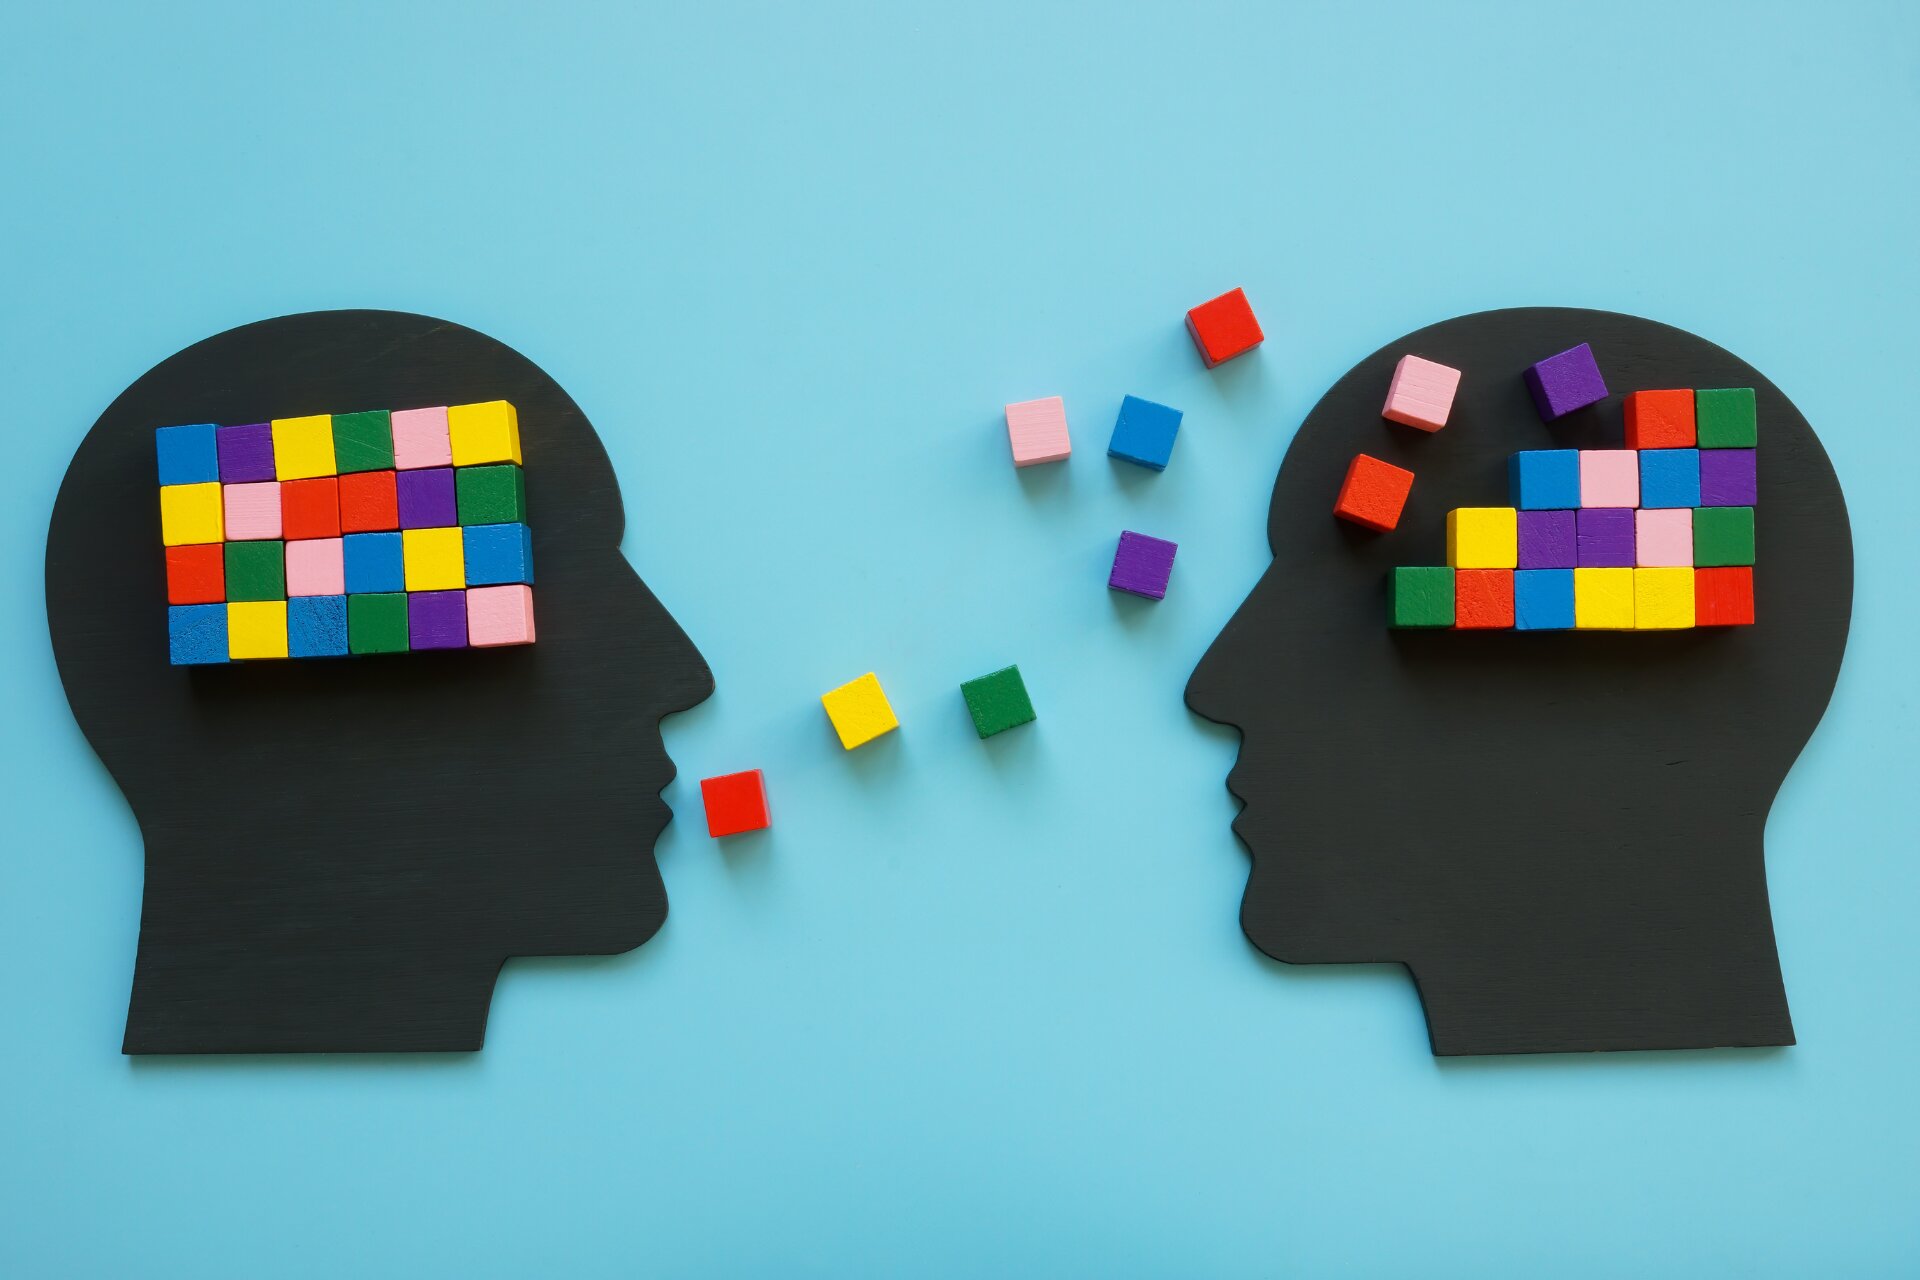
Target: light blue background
969 1009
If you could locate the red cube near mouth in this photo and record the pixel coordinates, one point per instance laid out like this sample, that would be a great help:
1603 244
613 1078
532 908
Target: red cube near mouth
736 802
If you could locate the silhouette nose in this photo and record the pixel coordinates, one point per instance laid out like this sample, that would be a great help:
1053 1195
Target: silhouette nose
1206 689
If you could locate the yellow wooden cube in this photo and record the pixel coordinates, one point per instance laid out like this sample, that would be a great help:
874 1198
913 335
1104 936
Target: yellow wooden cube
436 559
859 711
191 513
257 629
1662 599
1483 537
483 433
1603 599
303 447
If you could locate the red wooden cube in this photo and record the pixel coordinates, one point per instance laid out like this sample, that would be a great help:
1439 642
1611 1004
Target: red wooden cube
1723 597
735 802
197 574
1660 420
310 509
1482 599
368 502
1224 328
1373 493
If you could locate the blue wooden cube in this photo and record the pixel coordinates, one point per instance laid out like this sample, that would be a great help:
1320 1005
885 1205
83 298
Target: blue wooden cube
1669 477
188 455
374 563
1543 600
498 554
1545 479
196 634
317 627
1144 433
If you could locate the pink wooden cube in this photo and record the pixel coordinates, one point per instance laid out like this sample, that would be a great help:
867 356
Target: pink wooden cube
1663 537
252 510
1421 393
499 615
1038 431
420 439
316 567
1609 477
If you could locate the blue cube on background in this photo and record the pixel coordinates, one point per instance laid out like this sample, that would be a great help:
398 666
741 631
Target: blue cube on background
1669 477
498 554
373 562
1545 479
317 627
1144 433
196 634
1543 600
188 455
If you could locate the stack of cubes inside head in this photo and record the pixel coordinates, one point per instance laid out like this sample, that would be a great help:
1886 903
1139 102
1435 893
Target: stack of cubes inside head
1656 536
347 533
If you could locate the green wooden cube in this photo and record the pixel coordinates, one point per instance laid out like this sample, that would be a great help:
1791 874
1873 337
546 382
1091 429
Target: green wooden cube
1725 419
998 701
1722 536
256 571
491 495
377 622
1422 596
363 441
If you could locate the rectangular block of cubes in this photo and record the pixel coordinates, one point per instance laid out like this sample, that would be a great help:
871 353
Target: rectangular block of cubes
325 535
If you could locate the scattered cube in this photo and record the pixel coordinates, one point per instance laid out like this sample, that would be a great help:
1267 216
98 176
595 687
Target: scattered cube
310 508
1603 599
498 553
1571 380
256 628
1144 433
1544 479
435 560
373 563
1725 418
317 627
190 513
196 574
188 455
498 616
369 502
1723 597
426 498
1662 599
1663 538
1722 536
1729 478
490 495
859 711
256 571
1670 477
1659 420
303 448
363 441
735 803
482 433
196 634
1483 538
377 623
1421 393
1609 478
436 620
1548 539
1037 430
246 453
1605 538
420 439
1374 493
998 701
1482 599
1421 596
1224 327
1142 565
1543 600
316 567
252 511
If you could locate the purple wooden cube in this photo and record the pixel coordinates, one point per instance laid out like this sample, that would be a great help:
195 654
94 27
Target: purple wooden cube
246 453
1728 478
1547 540
436 620
1142 565
1571 380
1605 538
426 499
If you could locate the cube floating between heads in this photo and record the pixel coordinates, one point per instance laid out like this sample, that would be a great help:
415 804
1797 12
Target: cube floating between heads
1037 430
997 701
1144 433
1142 565
1224 328
736 803
859 711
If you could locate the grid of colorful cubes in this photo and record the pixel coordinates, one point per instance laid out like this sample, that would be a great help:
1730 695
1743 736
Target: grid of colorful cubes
346 533
1657 536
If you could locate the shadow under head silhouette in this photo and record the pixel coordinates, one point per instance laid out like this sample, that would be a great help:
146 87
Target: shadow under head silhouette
341 854
1558 833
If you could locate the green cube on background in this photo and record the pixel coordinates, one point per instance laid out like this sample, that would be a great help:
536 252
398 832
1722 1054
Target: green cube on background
1422 596
256 571
1725 419
491 495
377 622
363 441
1722 536
998 701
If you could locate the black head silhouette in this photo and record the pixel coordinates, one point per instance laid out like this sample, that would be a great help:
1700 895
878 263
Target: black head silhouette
1558 834
340 854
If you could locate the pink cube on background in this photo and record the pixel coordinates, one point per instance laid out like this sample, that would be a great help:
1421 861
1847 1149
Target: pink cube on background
499 615
1663 537
1609 478
316 567
1421 393
420 439
1038 431
252 510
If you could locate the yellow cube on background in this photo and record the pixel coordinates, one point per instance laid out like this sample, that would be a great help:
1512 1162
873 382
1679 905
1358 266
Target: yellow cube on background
435 559
303 447
1483 537
1662 599
191 513
1603 599
481 433
257 629
860 711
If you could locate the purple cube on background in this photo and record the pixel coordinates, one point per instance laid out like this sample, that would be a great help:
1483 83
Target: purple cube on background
1571 380
1605 538
436 620
426 499
1142 565
246 453
1728 478
1547 540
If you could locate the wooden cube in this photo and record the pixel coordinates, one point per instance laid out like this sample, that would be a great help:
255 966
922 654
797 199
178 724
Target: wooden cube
1483 599
1483 537
303 447
256 628
1224 327
1420 596
191 513
1421 393
1037 430
1662 599
1659 419
482 433
859 711
1723 597
736 803
500 615
1374 493
435 559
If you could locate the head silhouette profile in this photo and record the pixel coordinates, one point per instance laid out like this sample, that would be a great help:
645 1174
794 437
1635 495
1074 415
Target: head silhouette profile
341 854
1559 834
